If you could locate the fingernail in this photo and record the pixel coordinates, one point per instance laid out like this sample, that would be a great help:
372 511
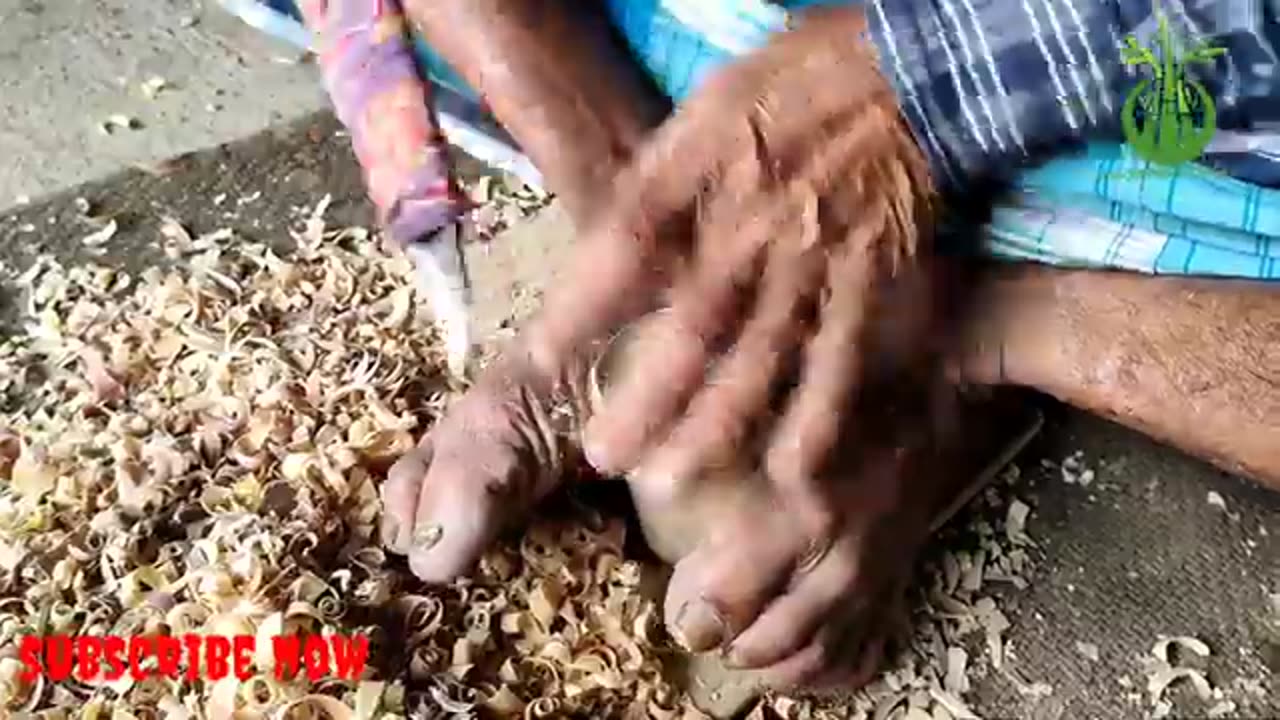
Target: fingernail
596 455
390 533
427 536
699 627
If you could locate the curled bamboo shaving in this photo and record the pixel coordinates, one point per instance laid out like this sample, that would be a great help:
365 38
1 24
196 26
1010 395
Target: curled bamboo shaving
1165 669
199 452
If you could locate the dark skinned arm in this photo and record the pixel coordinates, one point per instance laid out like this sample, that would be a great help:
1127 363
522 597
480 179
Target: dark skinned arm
554 76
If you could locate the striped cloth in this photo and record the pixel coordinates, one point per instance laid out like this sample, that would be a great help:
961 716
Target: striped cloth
1106 208
986 83
978 101
981 100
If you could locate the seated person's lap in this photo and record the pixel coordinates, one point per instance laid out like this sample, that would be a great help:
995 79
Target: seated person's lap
1060 214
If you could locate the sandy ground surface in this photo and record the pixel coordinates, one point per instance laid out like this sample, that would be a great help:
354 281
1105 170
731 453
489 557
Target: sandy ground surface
1140 553
66 66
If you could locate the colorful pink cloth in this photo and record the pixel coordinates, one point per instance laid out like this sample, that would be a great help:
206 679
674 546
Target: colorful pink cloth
378 93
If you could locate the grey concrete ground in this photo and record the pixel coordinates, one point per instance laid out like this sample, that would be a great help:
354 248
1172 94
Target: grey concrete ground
67 66
1138 554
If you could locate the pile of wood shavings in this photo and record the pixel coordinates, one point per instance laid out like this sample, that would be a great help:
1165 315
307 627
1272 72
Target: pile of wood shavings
199 451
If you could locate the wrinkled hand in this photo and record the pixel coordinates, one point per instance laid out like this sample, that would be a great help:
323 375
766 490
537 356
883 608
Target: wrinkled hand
803 288
780 213
809 203
480 469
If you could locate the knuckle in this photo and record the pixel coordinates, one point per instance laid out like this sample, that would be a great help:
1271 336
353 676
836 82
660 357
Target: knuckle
814 665
408 469
816 549
783 464
821 528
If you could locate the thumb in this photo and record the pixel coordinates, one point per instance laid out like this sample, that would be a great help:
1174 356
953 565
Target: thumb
461 509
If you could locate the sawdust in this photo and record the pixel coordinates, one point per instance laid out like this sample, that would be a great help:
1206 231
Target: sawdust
1215 499
213 438
216 436
153 86
1075 471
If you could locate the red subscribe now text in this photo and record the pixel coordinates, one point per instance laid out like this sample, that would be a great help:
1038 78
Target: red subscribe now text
196 657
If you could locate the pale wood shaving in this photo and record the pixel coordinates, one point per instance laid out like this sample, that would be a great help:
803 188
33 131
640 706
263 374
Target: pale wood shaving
200 451
118 122
244 410
102 235
152 86
1164 669
1088 651
1215 499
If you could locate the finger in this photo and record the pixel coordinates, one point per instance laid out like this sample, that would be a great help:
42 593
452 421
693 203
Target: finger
400 498
613 278
463 505
639 408
801 669
636 405
726 410
809 429
792 621
624 257
827 659
722 587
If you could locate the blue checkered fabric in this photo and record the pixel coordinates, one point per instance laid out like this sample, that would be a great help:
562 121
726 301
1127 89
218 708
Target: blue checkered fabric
986 83
1107 208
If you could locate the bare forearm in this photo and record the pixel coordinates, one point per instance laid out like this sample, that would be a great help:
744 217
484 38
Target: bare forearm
575 102
1193 362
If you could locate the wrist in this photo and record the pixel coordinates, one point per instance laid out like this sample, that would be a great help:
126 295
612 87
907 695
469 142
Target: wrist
1012 331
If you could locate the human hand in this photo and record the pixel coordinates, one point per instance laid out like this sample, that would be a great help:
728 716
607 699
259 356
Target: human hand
827 200
809 204
807 288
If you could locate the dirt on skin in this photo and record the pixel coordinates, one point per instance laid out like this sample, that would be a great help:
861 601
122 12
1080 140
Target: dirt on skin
1140 551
